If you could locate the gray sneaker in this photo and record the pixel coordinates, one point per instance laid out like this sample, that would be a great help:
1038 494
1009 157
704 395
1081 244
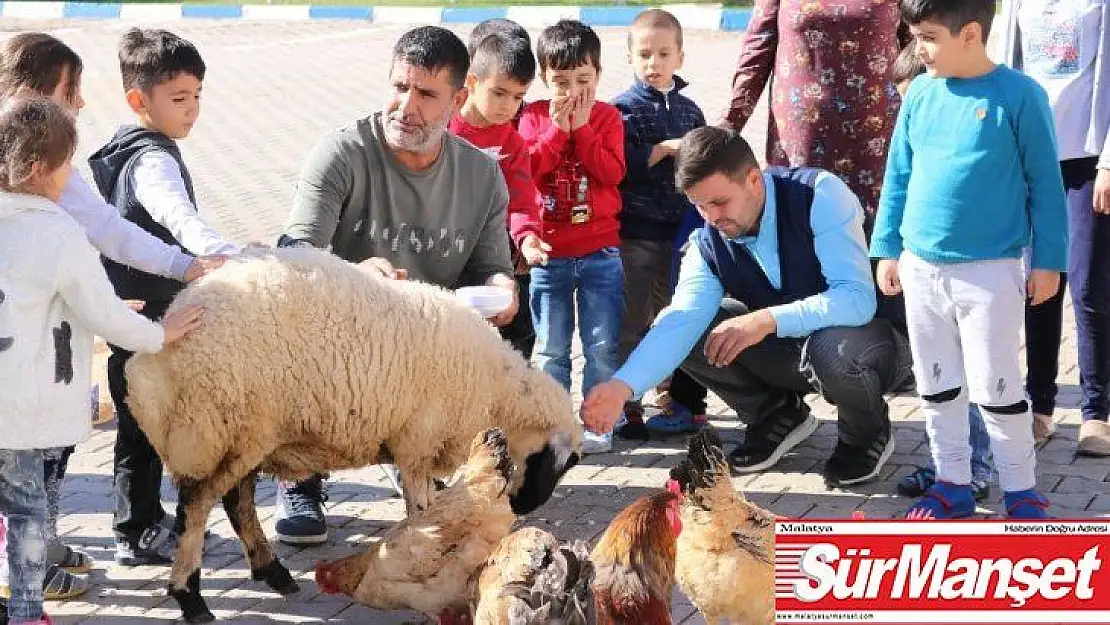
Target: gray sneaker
156 545
300 512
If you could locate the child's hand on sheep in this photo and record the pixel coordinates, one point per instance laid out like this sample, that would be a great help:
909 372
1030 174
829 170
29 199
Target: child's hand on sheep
180 323
203 265
603 405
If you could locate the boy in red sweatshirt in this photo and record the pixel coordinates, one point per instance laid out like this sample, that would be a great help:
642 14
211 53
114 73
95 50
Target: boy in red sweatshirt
501 70
577 152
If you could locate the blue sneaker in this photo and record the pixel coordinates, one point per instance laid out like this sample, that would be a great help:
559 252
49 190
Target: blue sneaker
300 513
944 500
1026 504
676 419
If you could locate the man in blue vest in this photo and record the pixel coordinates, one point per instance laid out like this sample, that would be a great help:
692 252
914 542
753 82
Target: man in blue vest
775 300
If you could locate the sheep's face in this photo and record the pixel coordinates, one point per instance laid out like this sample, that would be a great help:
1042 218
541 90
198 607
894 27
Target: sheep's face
542 471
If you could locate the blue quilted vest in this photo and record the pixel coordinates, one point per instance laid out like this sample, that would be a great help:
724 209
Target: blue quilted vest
799 267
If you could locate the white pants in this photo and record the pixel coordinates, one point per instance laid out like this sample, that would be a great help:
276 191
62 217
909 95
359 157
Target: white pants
965 325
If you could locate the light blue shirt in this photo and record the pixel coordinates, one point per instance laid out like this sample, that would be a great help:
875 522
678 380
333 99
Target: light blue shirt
836 218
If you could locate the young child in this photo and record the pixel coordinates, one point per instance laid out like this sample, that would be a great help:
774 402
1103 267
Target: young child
576 146
972 178
501 70
54 296
656 116
908 66
500 25
141 172
38 63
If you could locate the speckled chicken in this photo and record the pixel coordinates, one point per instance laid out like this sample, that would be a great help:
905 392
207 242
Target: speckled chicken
424 562
725 561
532 580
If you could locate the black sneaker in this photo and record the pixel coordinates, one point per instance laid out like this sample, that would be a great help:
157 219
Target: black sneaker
766 442
856 464
300 513
631 425
155 545
915 484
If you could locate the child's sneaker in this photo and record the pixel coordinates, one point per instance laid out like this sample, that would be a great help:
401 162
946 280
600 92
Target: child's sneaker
1026 504
631 424
944 500
596 443
915 484
676 419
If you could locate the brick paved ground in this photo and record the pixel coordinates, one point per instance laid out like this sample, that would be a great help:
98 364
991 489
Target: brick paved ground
272 89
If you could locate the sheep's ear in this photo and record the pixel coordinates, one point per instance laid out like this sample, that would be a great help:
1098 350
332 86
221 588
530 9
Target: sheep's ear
542 472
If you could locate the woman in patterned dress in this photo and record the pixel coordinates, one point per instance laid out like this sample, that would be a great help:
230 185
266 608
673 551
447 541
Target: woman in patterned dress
833 104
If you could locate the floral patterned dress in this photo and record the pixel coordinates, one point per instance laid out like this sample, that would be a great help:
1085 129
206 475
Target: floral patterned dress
833 104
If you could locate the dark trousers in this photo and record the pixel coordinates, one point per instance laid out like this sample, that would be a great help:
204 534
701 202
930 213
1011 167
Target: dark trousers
520 333
1044 327
851 367
137 468
1089 274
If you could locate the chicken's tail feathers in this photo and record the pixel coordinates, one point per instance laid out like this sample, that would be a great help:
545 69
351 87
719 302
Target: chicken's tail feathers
495 444
705 462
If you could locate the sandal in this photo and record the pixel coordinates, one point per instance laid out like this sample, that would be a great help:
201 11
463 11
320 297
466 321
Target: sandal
57 586
944 500
72 561
1026 504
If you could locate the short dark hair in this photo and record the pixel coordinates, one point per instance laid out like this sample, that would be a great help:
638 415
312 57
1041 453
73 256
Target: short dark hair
907 66
568 44
711 150
37 61
952 14
656 18
496 25
33 130
149 57
503 54
433 48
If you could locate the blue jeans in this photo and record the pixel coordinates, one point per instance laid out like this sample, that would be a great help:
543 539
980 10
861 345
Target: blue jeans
23 503
980 447
596 284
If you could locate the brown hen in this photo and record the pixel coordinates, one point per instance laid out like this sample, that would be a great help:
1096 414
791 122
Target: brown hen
424 562
725 561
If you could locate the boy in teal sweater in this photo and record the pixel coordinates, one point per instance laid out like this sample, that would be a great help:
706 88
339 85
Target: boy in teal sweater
972 178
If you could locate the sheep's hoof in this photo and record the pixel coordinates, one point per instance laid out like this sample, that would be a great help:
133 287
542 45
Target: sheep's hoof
277 577
193 608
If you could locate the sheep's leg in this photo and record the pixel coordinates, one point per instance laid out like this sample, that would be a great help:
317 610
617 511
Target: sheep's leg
198 497
241 511
185 575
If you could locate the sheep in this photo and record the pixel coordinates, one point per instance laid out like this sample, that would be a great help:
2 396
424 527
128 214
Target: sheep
306 363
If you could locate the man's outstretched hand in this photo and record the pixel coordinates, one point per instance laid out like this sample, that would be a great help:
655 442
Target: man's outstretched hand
603 405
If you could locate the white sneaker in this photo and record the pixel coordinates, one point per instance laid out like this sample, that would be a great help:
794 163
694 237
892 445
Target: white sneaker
597 443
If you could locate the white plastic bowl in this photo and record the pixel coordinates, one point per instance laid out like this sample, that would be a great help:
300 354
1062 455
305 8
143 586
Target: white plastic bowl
487 300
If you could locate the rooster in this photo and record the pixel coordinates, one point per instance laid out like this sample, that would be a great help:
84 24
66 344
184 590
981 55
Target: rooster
531 580
634 563
725 561
424 562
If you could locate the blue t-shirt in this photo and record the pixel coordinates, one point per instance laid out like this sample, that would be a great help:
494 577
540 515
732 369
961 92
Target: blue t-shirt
973 174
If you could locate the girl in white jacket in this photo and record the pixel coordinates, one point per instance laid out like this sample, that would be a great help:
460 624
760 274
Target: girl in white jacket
39 63
54 297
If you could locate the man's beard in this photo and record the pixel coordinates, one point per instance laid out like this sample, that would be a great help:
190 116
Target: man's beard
421 140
